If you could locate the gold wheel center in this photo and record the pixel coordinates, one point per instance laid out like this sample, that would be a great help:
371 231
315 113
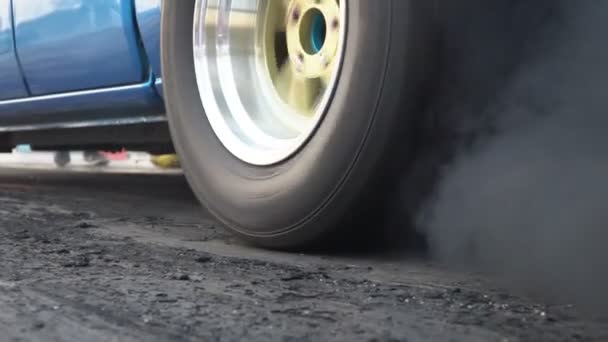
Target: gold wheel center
313 34
301 47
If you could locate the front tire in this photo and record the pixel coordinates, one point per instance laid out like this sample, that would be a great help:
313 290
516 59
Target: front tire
337 176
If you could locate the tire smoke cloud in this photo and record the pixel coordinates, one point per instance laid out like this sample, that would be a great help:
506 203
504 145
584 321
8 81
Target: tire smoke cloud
517 163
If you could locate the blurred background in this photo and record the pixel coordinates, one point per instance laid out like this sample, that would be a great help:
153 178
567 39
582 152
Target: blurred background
123 161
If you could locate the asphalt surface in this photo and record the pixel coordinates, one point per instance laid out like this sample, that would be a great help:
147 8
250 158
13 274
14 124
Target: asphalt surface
134 258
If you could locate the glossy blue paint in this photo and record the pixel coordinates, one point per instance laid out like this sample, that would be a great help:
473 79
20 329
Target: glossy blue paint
11 80
69 45
82 107
87 62
148 20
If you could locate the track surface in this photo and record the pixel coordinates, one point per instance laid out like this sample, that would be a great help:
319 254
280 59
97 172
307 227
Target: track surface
134 258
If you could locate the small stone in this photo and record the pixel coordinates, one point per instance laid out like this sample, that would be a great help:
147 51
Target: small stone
82 215
77 262
181 277
85 225
38 325
108 258
22 235
204 259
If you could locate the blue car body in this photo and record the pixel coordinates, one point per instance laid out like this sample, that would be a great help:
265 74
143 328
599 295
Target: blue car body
79 63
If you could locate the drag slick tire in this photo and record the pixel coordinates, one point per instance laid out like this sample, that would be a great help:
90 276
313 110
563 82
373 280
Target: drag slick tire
291 117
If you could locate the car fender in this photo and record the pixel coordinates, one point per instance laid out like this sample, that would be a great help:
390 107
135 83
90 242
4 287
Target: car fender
147 14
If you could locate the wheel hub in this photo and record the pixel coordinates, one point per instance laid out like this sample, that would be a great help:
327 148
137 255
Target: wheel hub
313 33
266 71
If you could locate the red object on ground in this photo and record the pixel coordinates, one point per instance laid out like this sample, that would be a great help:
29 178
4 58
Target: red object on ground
122 155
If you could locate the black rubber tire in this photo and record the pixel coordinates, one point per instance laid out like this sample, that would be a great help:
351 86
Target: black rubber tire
340 177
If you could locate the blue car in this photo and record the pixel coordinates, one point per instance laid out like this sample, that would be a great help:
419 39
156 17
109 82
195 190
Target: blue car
291 118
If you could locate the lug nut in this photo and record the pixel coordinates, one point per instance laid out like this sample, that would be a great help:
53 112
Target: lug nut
324 60
335 24
295 15
299 62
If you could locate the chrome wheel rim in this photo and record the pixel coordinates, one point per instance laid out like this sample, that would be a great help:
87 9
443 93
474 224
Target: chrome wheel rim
266 71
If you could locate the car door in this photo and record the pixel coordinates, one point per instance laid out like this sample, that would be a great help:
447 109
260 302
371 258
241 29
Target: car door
71 45
11 80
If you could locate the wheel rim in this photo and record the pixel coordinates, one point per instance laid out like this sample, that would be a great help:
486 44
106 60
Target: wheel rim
266 71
